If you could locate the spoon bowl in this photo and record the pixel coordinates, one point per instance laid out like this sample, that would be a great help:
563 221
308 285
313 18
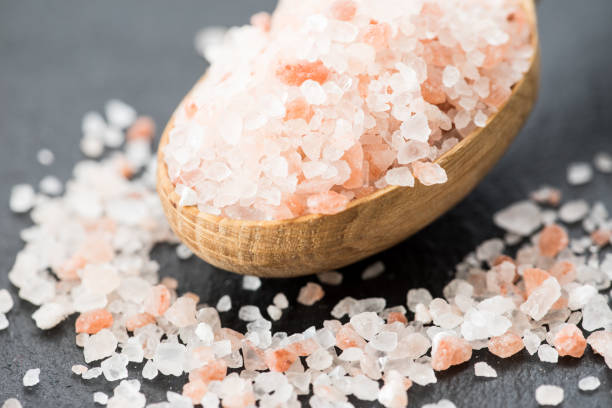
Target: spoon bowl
316 243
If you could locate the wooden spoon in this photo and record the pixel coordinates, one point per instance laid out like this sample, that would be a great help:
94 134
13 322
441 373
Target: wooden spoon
316 243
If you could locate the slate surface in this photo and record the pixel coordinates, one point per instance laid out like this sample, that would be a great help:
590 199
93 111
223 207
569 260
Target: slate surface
60 58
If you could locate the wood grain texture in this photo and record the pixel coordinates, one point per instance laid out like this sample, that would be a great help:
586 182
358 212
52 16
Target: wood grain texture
315 243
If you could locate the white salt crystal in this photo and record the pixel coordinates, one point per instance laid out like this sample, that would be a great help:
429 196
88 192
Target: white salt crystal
280 301
364 388
113 137
6 301
208 42
31 377
549 395
351 354
603 162
547 354
450 76
205 333
100 398
313 92
416 296
416 128
210 400
589 383
115 367
573 211
50 185
480 119
330 278
182 312
319 360
482 369
541 299
579 296
251 282
183 252
100 345
169 358
249 313
92 146
224 304
49 315
596 313
579 173
400 176
22 198
443 403
45 157
188 197
384 341
274 312
93 124
522 218
92 373
119 113
367 324
149 371
373 271
4 323
12 403
531 342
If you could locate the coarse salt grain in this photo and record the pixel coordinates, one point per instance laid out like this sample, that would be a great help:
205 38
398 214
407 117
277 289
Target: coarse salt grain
482 369
45 157
549 395
330 278
579 173
12 403
50 185
373 271
603 162
6 301
251 282
589 383
100 398
22 198
31 377
224 304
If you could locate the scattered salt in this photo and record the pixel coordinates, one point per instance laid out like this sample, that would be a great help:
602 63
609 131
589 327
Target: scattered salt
589 383
549 395
31 377
100 398
603 162
6 301
373 271
280 301
22 198
251 282
183 252
50 185
579 173
482 369
119 113
45 157
547 354
12 403
224 304
330 278
310 294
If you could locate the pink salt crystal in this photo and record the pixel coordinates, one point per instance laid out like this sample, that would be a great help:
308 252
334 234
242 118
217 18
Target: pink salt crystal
505 345
157 301
498 96
297 73
343 10
533 277
412 151
354 158
310 294
601 237
143 128
261 20
553 239
326 203
569 341
195 390
377 35
429 173
279 360
347 337
182 312
601 343
93 321
449 350
564 272
433 92
397 317
215 370
138 320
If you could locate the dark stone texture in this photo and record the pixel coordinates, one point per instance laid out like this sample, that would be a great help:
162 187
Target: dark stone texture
60 58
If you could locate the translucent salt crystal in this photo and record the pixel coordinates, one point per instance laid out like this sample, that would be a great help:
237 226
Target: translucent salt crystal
589 383
313 92
208 42
541 299
224 304
489 250
579 173
251 282
373 271
596 313
22 198
31 377
280 301
100 398
443 403
92 373
49 315
573 211
182 312
549 395
400 176
113 137
481 324
367 324
480 119
384 341
531 342
99 346
522 218
12 403
4 323
127 394
351 354
79 369
319 360
547 354
50 185
115 367
183 252
421 314
482 369
205 333
603 162
579 296
330 278
169 357
416 128
310 294
92 146
6 301
210 400
274 312
450 76
149 371
119 113
188 197
45 157
416 296
364 388
249 313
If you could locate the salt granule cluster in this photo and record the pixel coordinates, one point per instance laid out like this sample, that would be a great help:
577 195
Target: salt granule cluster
373 94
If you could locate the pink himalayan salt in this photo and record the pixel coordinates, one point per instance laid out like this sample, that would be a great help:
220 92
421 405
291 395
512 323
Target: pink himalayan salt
505 345
215 370
310 294
553 239
347 337
601 342
564 272
534 277
371 81
93 321
397 317
280 360
195 390
569 341
138 320
448 351
157 301
143 128
601 237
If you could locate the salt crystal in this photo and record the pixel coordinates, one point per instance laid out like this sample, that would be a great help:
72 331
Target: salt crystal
224 304
113 137
49 315
251 282
319 360
31 377
249 313
4 323
119 113
330 278
521 218
549 395
79 369
205 333
115 367
364 388
579 173
416 296
400 176
313 92
6 301
384 341
416 128
100 398
209 40
274 312
149 371
210 400
280 301
443 403
596 313
168 358
573 211
541 299
92 373
603 162
22 198
183 252
367 324
92 147
482 369
450 76
373 271
50 185
589 383
99 346
310 294
547 354
182 312
12 403
531 342
45 157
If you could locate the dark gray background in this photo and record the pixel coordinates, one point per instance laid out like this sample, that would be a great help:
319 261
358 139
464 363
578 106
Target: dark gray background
60 58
